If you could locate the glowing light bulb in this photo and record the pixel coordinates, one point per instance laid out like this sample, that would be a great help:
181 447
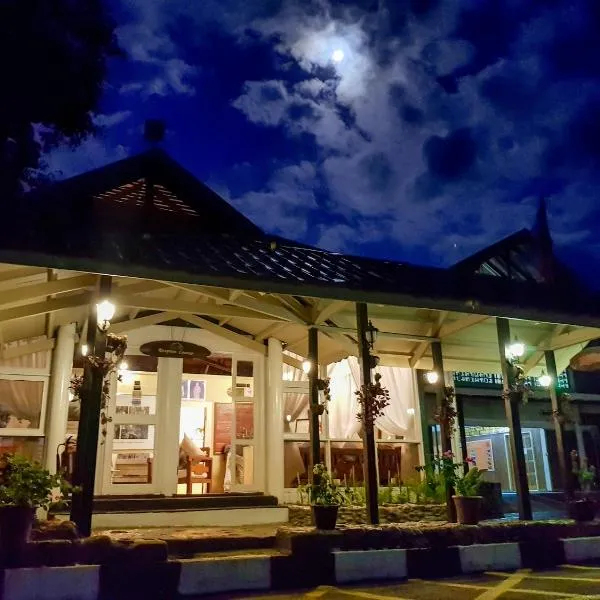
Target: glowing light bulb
410 411
432 377
516 349
84 349
307 366
545 380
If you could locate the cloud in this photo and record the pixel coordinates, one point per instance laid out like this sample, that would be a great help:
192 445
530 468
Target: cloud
66 161
444 122
147 41
110 120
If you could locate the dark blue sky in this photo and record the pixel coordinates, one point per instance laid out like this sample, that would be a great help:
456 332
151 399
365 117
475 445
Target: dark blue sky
432 137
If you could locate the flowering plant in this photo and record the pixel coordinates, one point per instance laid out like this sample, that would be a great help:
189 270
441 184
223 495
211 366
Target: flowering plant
322 491
373 398
446 413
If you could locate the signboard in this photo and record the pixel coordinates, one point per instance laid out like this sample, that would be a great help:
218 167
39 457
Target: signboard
174 349
494 380
481 452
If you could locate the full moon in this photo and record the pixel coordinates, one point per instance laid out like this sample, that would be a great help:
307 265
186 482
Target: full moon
337 55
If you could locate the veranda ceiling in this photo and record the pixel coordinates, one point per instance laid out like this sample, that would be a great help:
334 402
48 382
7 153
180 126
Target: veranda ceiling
35 300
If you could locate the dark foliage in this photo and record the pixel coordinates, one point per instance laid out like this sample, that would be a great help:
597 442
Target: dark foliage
53 57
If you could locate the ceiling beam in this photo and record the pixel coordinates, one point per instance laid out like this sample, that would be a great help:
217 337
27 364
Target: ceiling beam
48 288
461 324
537 355
129 324
380 334
20 273
242 301
40 308
577 336
232 336
432 330
50 276
25 349
140 287
325 309
182 306
268 331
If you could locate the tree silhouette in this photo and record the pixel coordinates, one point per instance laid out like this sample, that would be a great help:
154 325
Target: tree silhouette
53 61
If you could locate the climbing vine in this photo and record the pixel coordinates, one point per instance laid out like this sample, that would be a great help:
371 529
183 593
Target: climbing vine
373 398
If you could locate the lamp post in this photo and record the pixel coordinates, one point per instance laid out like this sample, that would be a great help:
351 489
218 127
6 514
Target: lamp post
91 403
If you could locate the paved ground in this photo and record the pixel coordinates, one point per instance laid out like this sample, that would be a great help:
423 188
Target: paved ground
569 582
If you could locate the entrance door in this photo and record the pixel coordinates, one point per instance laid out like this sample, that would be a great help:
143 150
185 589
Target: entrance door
243 459
532 477
131 438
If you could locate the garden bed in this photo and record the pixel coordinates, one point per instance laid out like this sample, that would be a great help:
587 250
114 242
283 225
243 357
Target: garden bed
429 535
300 515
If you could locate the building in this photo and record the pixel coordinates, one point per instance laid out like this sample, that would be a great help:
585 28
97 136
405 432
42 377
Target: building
192 278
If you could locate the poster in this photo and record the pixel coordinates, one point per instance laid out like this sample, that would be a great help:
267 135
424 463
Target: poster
481 451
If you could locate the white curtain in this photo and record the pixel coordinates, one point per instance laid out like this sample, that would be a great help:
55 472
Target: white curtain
20 403
295 404
396 419
345 381
35 360
343 408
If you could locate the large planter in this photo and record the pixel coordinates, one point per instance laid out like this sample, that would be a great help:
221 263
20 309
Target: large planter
468 509
15 529
324 516
582 510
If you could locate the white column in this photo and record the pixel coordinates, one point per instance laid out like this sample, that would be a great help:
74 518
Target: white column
274 412
58 396
168 409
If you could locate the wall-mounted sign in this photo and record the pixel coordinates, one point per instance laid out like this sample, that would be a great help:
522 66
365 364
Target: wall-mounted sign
494 380
173 349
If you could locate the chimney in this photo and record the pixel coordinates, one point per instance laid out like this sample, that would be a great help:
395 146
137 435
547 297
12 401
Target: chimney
154 131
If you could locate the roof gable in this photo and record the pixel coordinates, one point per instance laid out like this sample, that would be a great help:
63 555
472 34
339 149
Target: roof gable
149 191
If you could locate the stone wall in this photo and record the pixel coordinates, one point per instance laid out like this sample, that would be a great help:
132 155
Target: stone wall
300 516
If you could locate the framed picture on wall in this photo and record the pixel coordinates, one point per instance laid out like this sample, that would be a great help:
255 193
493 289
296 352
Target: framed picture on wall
194 389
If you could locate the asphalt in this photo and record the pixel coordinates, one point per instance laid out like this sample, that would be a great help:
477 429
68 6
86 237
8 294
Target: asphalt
572 582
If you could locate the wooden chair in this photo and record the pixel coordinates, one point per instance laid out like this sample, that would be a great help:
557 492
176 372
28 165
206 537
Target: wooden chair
197 470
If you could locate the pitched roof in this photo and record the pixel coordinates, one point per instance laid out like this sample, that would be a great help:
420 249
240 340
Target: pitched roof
210 243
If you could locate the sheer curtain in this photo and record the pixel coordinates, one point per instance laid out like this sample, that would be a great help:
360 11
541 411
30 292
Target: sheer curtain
20 403
345 381
343 408
396 419
294 403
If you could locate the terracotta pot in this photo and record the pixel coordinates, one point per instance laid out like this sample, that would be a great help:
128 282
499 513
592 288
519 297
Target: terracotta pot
15 530
582 510
468 509
324 516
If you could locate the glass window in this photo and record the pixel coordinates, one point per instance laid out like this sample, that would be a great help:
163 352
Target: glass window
31 447
132 453
21 404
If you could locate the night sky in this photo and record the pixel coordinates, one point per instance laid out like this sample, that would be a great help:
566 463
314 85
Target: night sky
414 130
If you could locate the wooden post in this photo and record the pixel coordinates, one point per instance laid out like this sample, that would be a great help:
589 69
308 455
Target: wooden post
89 422
460 423
313 390
425 417
511 406
445 433
558 426
369 447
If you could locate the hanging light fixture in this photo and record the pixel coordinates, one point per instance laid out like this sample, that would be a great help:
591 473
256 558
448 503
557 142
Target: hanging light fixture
545 380
105 311
371 334
516 349
306 366
432 377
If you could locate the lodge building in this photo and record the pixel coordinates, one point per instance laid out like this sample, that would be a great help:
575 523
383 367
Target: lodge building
227 328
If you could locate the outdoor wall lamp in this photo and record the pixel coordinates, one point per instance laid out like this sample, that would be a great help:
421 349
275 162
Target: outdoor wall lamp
307 366
105 311
84 350
516 349
432 377
545 380
371 334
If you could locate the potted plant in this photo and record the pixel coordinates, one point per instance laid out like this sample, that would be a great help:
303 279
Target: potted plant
442 472
324 497
467 499
25 486
582 508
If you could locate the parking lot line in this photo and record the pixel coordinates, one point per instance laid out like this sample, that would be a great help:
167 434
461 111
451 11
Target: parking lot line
550 577
504 586
368 595
469 586
580 568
